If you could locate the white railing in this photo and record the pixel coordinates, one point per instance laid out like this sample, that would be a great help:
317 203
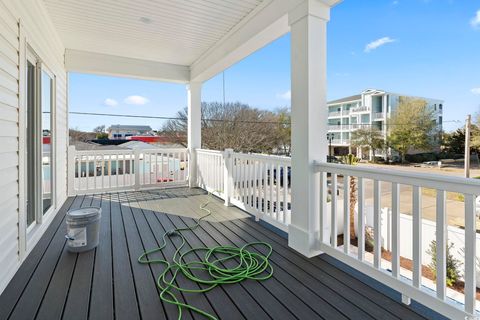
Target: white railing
261 186
93 171
335 114
335 127
360 126
210 171
378 115
340 141
360 109
335 211
258 184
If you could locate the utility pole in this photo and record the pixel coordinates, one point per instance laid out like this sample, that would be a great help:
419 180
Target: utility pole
467 146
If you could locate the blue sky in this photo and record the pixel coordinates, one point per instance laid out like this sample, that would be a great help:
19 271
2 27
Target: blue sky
427 48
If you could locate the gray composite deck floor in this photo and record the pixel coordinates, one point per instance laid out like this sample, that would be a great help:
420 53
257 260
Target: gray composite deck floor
109 283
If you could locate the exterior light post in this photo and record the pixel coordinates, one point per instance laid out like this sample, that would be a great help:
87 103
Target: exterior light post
329 138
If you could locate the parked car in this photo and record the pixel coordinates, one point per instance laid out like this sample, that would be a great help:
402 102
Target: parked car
333 159
289 174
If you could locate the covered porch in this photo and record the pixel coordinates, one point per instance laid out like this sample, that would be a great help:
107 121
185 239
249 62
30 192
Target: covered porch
300 205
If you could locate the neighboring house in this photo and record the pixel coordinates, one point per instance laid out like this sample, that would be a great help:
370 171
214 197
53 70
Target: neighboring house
119 131
370 109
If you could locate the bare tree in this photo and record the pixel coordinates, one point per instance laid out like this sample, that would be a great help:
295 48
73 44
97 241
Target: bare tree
235 125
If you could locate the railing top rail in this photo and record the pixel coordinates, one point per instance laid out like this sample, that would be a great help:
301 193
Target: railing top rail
128 151
434 181
208 151
263 157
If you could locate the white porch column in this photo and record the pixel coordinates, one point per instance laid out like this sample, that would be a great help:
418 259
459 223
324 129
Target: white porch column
308 24
194 128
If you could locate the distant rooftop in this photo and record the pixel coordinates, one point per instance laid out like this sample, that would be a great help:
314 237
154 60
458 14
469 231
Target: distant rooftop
346 99
80 145
129 127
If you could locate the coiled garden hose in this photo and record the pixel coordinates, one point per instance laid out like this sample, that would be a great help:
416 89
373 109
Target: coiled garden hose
247 265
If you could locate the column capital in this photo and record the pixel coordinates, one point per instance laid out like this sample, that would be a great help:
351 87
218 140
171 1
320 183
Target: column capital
316 8
194 85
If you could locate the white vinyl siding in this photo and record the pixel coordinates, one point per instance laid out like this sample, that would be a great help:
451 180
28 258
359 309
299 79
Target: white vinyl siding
23 22
9 72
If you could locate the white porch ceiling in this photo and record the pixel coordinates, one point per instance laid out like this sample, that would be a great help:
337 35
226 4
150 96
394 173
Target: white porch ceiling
168 31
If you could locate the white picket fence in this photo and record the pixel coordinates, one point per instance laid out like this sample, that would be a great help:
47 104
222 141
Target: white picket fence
258 184
410 288
94 171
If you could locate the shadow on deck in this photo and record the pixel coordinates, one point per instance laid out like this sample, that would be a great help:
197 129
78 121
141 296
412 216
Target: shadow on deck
108 282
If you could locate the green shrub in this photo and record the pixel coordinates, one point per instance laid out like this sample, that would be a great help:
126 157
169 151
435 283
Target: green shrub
453 264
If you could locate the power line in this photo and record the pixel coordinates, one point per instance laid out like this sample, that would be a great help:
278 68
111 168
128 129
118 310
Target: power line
227 120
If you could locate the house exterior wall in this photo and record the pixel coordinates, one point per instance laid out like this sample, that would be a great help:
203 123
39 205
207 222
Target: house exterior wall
21 23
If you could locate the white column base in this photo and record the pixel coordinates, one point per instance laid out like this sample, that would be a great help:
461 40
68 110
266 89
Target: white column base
301 241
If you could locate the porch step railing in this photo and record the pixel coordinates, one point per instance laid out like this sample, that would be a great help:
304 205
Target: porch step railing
258 184
93 171
335 219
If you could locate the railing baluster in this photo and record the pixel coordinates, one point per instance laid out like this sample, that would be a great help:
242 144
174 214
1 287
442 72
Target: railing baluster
417 236
361 220
79 170
333 218
377 227
470 254
265 188
103 171
395 230
441 245
116 169
94 172
87 172
156 167
277 196
109 171
249 183
255 179
272 214
346 214
323 206
285 193
124 170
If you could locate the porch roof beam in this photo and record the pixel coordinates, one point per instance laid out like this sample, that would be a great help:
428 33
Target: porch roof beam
103 64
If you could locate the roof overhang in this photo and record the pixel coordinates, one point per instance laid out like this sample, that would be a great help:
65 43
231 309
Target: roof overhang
166 41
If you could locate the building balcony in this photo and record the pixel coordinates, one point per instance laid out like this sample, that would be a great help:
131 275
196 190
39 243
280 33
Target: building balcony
362 109
335 114
378 116
338 127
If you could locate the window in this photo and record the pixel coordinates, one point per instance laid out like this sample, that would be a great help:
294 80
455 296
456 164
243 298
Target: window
440 106
39 133
440 120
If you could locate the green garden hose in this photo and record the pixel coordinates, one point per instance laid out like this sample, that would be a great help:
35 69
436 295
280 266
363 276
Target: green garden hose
248 265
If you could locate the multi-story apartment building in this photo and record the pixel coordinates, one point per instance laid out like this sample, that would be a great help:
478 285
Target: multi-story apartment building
370 109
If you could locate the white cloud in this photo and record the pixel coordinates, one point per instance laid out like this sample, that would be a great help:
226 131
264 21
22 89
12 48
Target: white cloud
378 43
287 95
475 91
475 22
110 102
137 100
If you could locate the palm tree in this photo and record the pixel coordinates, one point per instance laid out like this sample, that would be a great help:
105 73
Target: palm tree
352 160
